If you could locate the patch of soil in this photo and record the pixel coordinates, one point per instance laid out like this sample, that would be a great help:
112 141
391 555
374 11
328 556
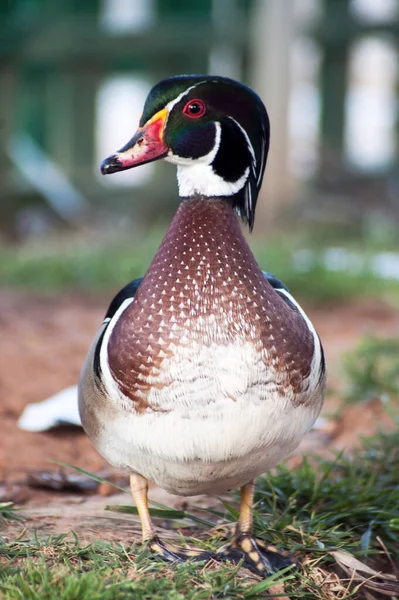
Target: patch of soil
44 340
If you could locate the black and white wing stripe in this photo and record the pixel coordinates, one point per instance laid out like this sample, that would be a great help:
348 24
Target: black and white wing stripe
318 367
117 306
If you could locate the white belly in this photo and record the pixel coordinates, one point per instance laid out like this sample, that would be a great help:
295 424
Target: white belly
196 456
221 422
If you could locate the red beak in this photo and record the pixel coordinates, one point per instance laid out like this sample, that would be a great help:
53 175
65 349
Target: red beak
145 146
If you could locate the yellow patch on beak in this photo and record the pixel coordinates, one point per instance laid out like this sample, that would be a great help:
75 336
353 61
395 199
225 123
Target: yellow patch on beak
160 117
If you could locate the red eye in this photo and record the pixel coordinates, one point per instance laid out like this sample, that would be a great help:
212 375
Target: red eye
194 109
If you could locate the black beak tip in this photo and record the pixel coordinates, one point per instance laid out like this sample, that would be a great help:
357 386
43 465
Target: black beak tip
112 164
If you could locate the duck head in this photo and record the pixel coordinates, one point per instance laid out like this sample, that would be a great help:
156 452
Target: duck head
216 130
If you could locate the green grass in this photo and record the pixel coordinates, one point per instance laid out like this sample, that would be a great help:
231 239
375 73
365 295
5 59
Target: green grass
318 507
62 568
373 371
8 510
110 263
344 503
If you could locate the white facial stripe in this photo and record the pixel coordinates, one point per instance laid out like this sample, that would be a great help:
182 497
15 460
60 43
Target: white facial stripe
248 200
250 147
172 103
196 176
262 159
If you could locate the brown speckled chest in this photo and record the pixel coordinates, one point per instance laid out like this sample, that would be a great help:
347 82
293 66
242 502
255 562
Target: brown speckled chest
204 287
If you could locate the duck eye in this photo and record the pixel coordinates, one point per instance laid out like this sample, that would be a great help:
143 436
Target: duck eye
194 109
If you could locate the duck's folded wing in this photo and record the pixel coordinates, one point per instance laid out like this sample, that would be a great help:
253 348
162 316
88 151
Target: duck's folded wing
96 382
318 362
121 301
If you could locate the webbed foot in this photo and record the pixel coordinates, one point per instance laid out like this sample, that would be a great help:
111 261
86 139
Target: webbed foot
259 557
172 553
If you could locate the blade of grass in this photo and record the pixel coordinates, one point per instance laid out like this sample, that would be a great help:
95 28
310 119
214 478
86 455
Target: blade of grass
90 475
277 578
154 512
157 505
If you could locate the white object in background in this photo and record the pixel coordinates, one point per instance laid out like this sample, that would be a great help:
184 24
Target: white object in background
121 17
46 177
61 409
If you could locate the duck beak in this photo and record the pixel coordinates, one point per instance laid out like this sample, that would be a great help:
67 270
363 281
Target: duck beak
145 146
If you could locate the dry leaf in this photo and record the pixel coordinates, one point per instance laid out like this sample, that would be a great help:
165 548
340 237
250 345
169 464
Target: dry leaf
383 583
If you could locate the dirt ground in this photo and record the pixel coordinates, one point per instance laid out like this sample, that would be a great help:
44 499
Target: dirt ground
44 340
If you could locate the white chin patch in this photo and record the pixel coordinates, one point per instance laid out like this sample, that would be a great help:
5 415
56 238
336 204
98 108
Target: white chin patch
200 178
196 176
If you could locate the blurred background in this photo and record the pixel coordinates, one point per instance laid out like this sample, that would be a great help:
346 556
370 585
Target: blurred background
74 75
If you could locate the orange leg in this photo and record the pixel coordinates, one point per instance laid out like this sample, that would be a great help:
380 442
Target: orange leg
259 557
139 488
245 521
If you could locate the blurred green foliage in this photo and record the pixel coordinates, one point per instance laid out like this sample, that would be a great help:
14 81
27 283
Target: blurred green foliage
372 371
108 264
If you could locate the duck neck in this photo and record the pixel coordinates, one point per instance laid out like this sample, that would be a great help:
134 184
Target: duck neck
204 237
205 222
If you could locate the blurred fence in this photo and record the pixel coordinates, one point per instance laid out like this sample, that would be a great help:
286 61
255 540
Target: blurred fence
73 74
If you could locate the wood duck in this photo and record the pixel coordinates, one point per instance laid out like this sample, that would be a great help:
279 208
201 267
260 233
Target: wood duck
205 372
